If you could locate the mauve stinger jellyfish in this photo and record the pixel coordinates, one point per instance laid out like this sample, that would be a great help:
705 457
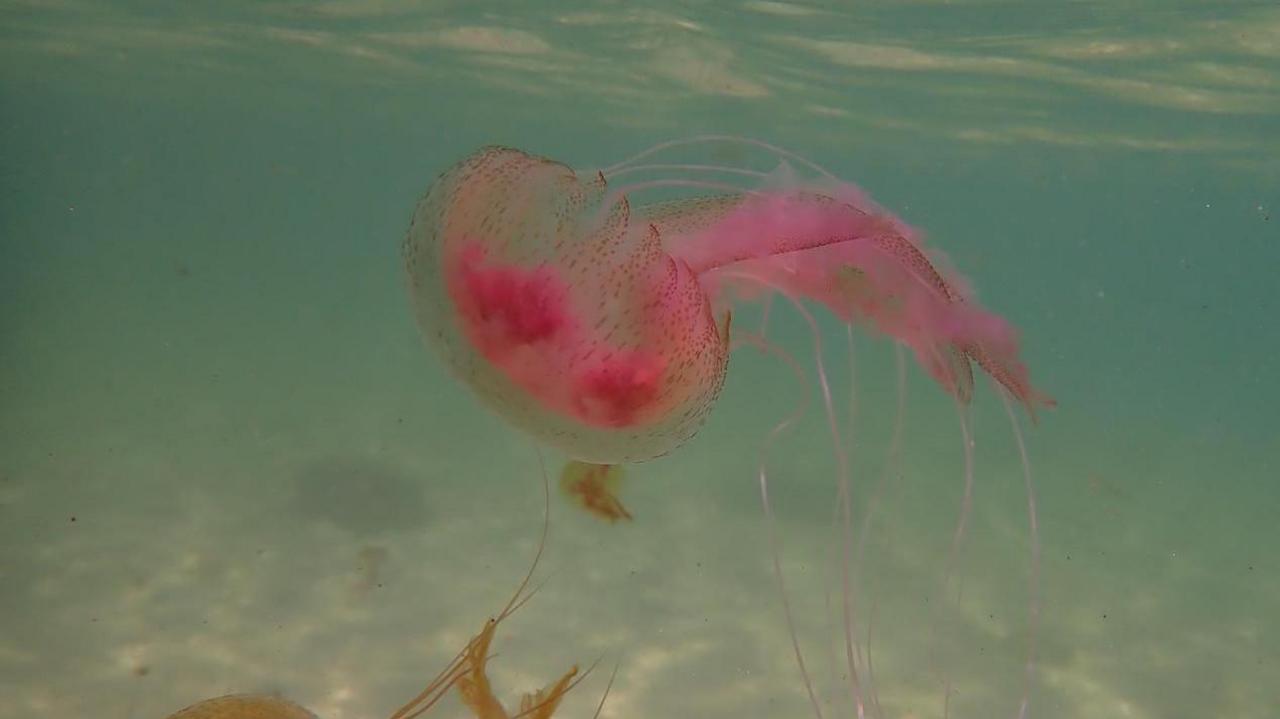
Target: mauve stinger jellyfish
601 324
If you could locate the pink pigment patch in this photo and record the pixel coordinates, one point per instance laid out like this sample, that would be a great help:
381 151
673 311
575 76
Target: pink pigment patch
615 393
507 306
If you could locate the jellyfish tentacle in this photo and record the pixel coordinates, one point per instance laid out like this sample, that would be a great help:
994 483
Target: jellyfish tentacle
765 346
844 483
604 696
952 561
853 651
889 472
1033 561
776 150
685 167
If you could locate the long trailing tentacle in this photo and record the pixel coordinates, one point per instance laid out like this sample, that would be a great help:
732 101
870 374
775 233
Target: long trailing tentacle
1033 561
600 707
888 473
951 563
853 650
780 152
686 167
762 344
844 483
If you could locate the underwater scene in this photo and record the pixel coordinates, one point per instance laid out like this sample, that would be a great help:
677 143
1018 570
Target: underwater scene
382 359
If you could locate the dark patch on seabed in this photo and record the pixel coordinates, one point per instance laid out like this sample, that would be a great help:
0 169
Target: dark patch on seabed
360 495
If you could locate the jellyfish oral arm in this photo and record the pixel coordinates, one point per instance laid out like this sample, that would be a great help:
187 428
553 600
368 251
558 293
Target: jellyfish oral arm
771 225
861 262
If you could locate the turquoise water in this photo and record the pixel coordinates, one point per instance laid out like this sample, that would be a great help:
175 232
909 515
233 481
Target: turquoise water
228 464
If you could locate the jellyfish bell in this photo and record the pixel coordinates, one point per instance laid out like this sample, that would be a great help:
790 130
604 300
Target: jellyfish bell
584 333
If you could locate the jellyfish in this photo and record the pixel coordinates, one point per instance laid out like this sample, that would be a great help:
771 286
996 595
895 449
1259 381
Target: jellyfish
593 310
604 329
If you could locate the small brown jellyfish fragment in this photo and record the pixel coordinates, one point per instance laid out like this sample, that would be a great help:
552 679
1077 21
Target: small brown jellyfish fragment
467 672
477 693
594 487
244 706
467 668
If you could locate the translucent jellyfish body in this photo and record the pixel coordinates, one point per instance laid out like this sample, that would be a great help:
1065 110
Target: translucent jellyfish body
602 327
